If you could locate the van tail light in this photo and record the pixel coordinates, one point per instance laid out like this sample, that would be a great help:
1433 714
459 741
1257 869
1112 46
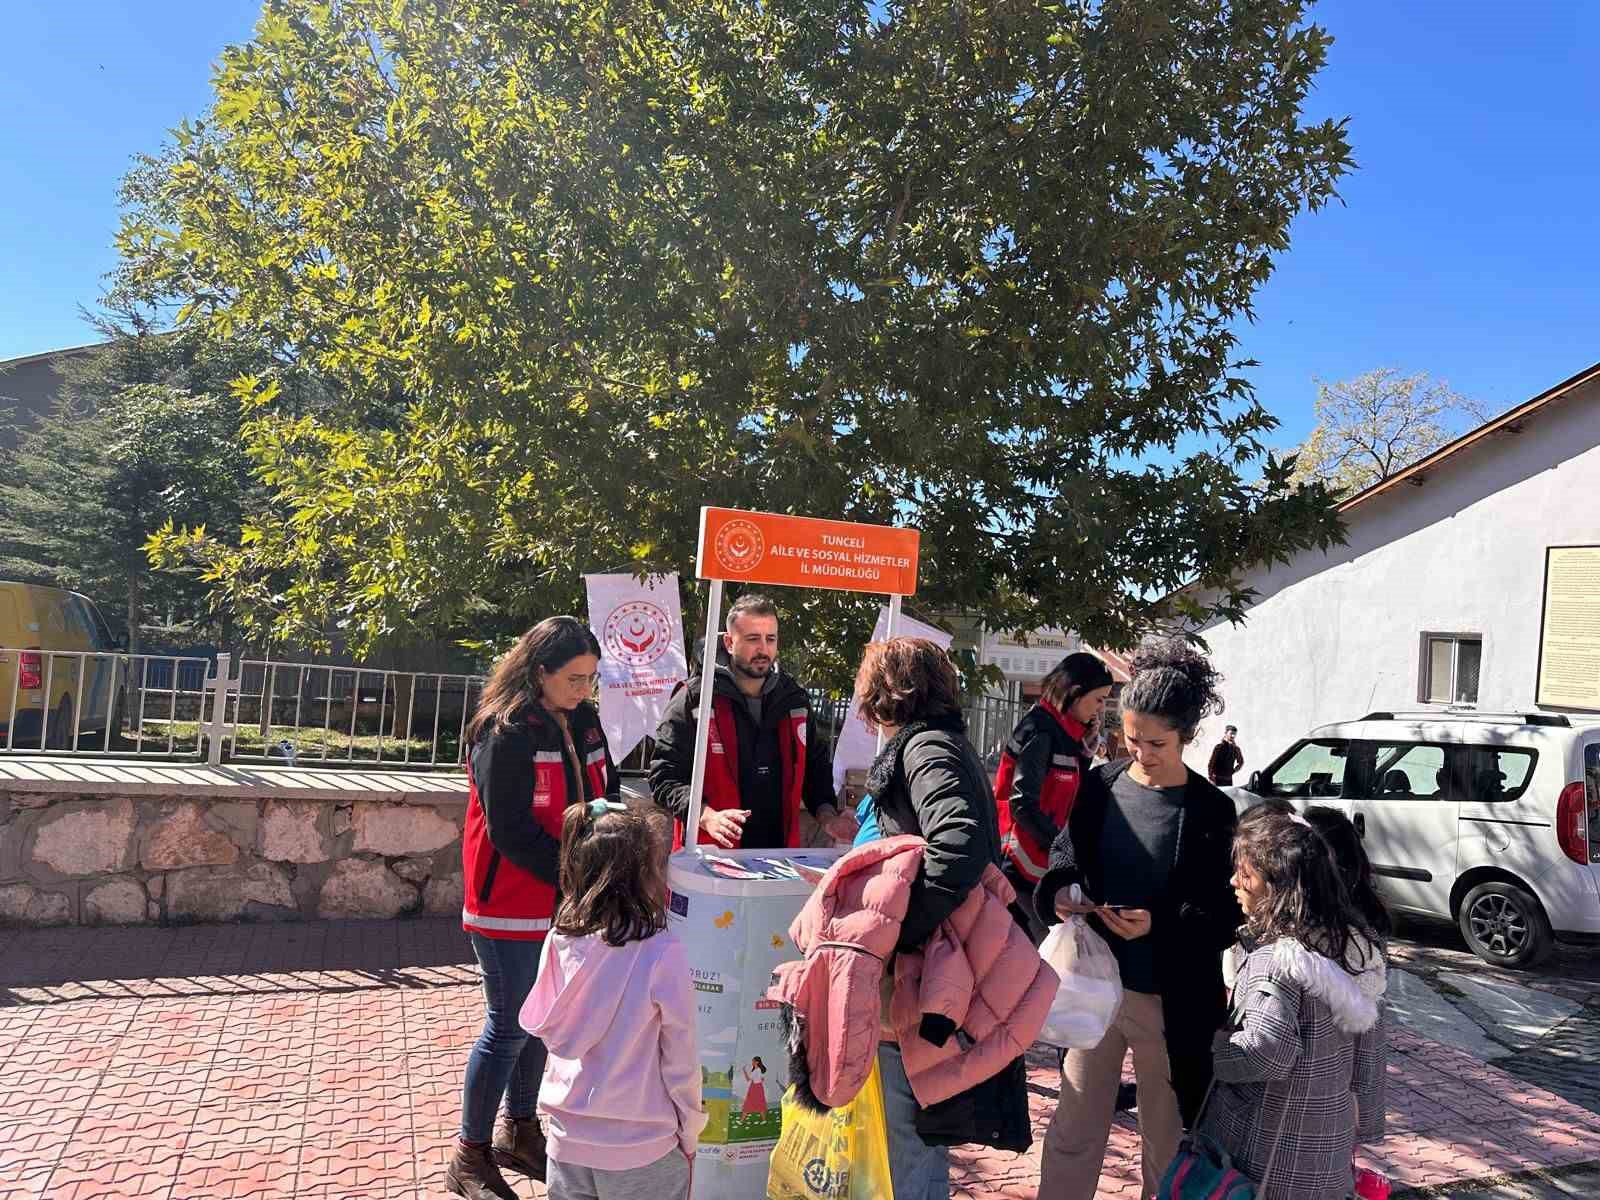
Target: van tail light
30 668
1572 824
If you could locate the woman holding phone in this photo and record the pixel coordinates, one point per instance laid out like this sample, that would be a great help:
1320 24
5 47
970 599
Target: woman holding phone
1149 844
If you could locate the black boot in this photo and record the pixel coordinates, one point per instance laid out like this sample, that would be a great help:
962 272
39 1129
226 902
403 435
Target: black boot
519 1146
473 1175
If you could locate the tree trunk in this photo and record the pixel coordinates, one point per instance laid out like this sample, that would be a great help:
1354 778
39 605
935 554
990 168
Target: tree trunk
135 608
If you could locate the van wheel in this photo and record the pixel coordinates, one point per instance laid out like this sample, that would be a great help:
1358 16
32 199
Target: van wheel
1505 926
61 727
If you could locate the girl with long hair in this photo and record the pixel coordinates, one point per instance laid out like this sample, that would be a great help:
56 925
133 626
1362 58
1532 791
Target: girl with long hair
1350 857
1300 1056
615 1006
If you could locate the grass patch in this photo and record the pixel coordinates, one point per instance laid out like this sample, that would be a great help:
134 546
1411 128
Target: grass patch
311 746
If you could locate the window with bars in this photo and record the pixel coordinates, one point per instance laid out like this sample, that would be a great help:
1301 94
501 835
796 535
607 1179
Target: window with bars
1451 664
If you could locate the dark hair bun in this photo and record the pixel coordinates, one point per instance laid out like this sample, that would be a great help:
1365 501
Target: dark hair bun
1173 680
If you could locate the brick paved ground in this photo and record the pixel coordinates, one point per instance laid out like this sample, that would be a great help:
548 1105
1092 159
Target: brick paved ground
1565 1061
321 1061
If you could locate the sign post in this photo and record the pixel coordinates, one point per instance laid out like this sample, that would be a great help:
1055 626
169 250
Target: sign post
785 551
890 630
702 722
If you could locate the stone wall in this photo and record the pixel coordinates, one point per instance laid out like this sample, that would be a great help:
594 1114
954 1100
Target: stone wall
109 859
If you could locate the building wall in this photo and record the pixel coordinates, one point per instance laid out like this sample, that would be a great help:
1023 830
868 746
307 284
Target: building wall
28 390
1334 636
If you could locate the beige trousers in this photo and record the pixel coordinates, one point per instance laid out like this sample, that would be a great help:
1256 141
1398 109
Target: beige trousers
1075 1143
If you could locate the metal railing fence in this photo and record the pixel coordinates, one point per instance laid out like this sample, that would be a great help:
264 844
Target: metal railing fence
101 703
112 704
308 712
115 704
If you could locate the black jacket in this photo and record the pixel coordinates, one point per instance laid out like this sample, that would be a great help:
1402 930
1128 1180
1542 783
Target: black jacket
930 782
1226 758
503 767
1194 922
1038 738
673 762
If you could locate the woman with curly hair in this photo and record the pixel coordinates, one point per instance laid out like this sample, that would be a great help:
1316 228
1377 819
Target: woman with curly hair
1149 844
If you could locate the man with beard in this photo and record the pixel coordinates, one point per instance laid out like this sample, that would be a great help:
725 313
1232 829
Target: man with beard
764 760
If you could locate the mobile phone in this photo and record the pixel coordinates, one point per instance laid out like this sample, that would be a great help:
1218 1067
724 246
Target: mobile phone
1116 908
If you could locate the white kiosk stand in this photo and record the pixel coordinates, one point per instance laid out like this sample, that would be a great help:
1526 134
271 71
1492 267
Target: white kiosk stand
732 908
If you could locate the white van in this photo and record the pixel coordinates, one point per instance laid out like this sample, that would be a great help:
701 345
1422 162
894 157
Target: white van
1487 819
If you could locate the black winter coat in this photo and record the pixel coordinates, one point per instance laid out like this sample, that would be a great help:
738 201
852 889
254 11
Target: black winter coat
673 761
1194 922
930 782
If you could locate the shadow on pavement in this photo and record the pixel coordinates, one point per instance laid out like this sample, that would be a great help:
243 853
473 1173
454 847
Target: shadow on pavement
44 966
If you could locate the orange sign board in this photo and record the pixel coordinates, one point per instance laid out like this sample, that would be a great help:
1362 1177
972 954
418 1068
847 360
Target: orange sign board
754 547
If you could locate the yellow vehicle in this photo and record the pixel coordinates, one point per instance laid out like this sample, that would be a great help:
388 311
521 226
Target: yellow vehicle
62 679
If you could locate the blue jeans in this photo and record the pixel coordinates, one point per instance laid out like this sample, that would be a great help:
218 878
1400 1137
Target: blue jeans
918 1171
506 1061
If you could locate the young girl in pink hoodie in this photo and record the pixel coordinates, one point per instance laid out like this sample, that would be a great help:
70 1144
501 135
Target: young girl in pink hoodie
613 1005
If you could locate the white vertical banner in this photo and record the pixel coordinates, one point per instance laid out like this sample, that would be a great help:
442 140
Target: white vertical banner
857 746
639 625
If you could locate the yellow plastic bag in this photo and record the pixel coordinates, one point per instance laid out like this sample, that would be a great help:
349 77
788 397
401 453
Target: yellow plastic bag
842 1154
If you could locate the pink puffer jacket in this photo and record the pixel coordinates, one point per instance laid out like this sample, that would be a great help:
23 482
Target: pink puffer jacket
979 974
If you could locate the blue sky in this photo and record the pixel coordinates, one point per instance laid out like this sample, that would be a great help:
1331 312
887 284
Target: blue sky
1467 247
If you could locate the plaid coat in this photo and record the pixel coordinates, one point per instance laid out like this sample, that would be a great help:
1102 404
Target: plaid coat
1304 1051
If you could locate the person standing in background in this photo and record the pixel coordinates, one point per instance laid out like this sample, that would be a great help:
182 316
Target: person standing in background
1041 767
1226 758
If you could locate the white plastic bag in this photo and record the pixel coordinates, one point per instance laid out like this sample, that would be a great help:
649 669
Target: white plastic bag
1091 984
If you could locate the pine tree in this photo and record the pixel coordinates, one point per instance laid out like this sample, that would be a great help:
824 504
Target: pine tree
145 432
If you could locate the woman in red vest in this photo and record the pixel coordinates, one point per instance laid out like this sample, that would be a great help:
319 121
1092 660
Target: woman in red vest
1040 769
534 746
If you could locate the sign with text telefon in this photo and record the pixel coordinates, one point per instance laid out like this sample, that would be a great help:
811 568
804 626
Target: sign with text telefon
773 548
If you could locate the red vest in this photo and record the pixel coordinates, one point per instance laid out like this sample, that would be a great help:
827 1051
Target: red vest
722 768
1056 794
502 900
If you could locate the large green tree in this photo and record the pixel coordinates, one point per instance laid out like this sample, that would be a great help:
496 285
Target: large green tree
976 267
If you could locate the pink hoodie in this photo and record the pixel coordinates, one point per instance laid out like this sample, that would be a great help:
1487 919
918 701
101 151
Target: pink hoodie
622 1084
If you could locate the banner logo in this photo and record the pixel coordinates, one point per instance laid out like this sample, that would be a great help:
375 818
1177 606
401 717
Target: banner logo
637 633
740 546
